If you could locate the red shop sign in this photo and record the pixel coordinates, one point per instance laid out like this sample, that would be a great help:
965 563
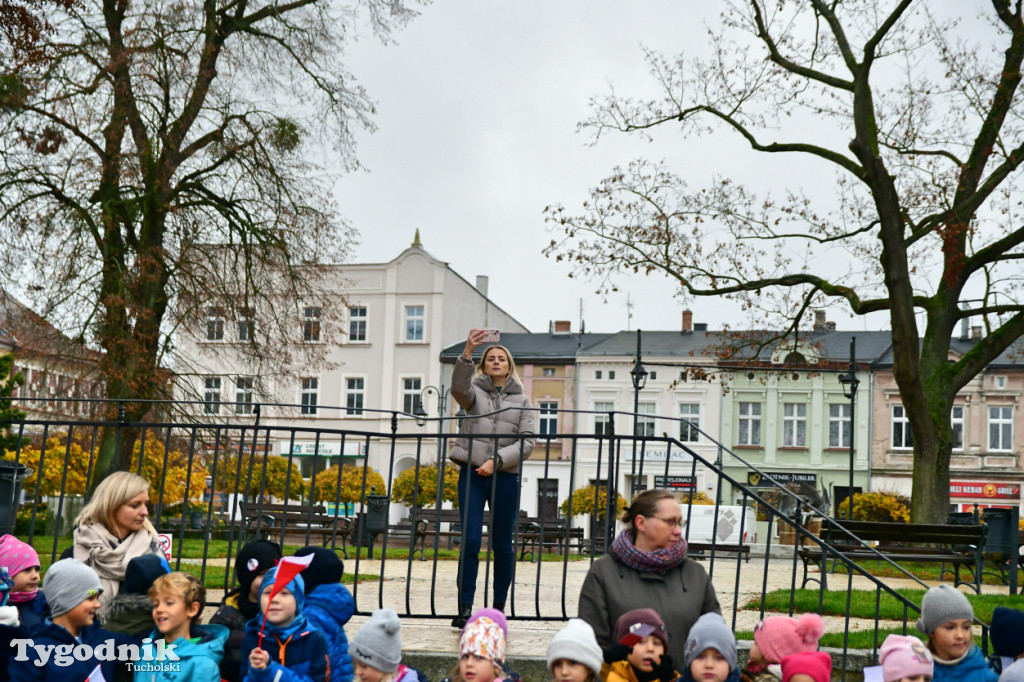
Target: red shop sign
989 490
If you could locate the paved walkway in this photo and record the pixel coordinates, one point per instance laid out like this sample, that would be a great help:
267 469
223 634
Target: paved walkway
538 594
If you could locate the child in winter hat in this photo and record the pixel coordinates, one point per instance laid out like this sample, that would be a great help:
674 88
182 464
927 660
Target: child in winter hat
574 654
329 607
946 618
1007 633
710 651
905 659
22 564
807 666
647 658
376 650
781 636
481 651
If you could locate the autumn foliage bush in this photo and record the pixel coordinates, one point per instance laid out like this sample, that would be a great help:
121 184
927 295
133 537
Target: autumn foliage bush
424 495
583 502
877 506
270 475
351 490
699 497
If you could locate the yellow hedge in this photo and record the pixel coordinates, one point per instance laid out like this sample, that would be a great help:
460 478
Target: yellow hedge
279 483
402 489
583 502
878 506
351 484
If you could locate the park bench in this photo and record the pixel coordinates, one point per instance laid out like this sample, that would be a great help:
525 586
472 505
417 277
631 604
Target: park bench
533 535
701 550
957 545
266 520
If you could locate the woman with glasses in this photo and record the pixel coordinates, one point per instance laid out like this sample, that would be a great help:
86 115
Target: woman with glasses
647 568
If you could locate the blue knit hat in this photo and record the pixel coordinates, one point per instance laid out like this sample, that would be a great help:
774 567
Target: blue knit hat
296 586
1007 632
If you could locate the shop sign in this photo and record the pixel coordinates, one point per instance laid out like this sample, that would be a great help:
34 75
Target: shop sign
756 480
992 490
326 448
674 482
658 455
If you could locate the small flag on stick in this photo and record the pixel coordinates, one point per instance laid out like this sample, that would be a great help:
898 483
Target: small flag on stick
287 568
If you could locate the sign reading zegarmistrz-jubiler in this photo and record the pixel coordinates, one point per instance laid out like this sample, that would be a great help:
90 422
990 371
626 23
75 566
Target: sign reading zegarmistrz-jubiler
990 490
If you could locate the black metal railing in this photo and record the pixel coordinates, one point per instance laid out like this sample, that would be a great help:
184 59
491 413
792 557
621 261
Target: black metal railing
253 489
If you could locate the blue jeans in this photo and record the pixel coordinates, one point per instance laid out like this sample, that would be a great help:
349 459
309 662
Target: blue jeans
503 520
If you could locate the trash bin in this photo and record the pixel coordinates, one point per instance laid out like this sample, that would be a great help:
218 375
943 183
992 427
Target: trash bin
11 476
1001 539
372 522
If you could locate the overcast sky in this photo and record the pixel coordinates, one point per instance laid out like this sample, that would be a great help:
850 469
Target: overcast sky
478 105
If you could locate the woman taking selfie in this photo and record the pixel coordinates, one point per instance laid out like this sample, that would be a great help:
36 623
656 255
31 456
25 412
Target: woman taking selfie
495 436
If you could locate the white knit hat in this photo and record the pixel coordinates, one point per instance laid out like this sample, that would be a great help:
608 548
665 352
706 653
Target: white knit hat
576 642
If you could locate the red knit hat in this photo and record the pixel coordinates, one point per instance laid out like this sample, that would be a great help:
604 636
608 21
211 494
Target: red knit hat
780 636
817 664
644 616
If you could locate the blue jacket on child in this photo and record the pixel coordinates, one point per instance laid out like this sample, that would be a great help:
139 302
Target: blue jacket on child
198 660
973 668
31 616
298 652
328 608
51 634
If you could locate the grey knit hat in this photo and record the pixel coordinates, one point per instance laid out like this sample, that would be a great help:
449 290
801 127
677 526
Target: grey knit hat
67 584
378 644
710 632
576 642
942 604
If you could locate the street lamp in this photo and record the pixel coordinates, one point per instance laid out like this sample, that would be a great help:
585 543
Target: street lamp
639 376
849 382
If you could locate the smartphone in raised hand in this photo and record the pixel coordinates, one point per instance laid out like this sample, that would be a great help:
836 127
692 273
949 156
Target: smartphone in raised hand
490 336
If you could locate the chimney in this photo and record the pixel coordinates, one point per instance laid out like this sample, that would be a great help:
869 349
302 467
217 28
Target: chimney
687 320
830 326
819 321
976 332
481 284
562 326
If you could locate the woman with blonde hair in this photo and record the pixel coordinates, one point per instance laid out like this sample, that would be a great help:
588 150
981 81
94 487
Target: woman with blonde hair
114 528
498 433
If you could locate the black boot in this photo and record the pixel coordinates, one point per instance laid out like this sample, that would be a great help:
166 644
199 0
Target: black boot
465 611
499 605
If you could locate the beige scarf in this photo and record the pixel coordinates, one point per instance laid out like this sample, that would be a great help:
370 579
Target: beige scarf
108 556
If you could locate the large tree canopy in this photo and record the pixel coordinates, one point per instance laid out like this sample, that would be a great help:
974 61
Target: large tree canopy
918 114
167 156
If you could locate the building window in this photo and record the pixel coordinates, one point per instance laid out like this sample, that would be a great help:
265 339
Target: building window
1000 382
355 388
211 396
839 426
411 395
311 324
548 371
901 439
602 420
645 419
689 429
214 324
956 420
246 325
597 374
414 323
750 424
310 388
1000 428
611 375
794 425
548 424
653 376
357 324
243 394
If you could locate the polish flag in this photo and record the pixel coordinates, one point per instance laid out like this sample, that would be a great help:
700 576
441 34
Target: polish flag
96 675
287 568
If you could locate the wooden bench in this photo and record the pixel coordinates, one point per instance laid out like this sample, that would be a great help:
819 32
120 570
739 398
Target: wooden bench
556 533
266 520
701 550
958 545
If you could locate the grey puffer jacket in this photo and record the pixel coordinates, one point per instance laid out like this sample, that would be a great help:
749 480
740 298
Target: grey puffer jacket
477 395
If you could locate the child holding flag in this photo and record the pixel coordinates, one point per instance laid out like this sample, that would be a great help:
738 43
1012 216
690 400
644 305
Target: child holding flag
280 645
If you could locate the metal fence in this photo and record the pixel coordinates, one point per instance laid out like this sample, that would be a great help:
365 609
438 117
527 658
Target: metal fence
400 554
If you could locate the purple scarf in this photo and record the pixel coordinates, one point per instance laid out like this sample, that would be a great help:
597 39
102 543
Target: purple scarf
660 560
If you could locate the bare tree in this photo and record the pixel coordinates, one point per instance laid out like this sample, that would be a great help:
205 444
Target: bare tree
169 156
924 223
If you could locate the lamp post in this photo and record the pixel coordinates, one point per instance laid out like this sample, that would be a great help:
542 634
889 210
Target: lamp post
849 382
639 376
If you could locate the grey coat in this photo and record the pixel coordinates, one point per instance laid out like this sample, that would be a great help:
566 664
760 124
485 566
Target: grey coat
680 595
477 395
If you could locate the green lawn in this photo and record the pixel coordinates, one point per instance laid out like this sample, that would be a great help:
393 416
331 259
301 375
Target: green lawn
924 571
863 603
859 639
